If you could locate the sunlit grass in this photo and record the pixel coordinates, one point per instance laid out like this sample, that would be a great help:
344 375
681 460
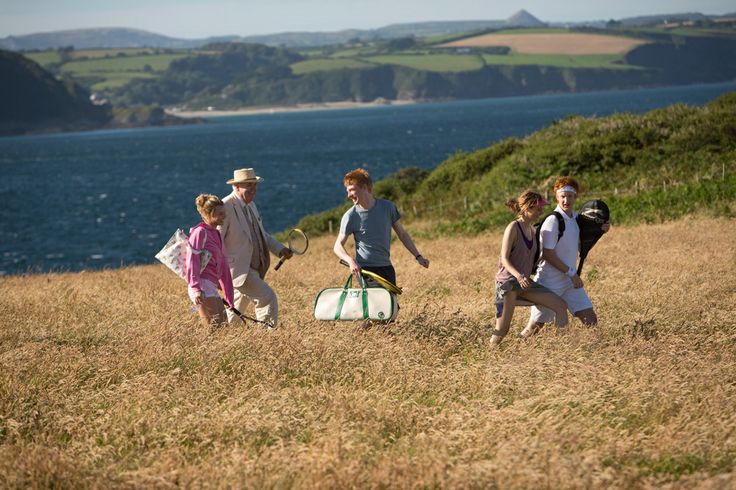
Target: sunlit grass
107 379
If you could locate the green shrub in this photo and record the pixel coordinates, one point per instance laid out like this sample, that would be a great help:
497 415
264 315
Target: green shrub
651 167
400 183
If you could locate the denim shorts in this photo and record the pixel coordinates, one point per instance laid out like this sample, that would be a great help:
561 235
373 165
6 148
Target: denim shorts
513 285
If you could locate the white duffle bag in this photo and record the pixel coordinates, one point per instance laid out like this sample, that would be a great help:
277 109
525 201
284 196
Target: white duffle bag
349 303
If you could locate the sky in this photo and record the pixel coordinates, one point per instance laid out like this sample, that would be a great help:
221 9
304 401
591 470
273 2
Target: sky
193 19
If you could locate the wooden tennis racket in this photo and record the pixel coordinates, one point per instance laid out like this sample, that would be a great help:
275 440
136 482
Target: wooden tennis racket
298 243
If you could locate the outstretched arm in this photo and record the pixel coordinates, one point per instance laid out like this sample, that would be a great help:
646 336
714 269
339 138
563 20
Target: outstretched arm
409 243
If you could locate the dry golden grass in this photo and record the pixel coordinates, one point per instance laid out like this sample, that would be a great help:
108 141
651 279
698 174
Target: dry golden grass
553 43
107 380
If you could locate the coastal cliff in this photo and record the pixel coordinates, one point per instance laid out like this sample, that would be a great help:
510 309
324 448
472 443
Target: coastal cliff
34 101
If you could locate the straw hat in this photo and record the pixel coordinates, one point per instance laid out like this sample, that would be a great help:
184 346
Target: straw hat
244 175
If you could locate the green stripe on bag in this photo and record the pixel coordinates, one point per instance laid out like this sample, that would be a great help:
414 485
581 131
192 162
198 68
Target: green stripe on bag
340 303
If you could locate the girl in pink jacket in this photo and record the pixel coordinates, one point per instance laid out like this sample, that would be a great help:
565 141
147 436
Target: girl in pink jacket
206 247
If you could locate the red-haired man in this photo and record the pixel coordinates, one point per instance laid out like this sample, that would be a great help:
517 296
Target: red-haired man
370 222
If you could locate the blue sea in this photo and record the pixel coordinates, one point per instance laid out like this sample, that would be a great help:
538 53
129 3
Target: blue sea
100 199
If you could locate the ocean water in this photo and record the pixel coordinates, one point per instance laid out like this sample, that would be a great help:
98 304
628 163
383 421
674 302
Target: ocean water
99 199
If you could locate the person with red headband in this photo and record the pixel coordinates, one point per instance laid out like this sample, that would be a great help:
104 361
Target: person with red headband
513 281
557 265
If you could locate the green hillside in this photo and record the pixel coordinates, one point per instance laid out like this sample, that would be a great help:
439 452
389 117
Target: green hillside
235 75
650 168
34 100
31 98
102 70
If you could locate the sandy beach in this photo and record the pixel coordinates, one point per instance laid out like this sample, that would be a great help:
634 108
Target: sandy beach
255 110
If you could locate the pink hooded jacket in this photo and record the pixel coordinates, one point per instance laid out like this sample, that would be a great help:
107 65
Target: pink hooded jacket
217 269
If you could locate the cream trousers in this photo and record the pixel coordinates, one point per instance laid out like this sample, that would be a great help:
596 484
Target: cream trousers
263 297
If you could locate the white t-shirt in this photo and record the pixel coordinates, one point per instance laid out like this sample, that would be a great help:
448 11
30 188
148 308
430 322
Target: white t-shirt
566 248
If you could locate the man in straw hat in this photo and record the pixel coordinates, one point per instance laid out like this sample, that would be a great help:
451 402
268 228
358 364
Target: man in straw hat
247 245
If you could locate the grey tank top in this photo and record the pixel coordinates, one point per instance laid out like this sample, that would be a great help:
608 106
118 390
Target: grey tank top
522 255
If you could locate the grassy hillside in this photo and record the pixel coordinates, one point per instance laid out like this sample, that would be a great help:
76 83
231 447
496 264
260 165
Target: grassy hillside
604 61
33 99
107 380
442 63
651 167
106 69
106 73
328 64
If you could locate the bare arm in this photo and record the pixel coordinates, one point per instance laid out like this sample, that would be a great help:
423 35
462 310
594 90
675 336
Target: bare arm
509 237
551 257
409 243
339 249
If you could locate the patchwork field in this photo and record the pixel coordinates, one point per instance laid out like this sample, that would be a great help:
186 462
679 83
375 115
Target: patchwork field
127 63
431 62
551 43
113 79
107 379
326 64
53 56
607 61
108 68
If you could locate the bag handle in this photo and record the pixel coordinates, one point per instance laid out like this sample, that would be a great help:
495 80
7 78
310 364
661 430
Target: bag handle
344 294
204 245
349 283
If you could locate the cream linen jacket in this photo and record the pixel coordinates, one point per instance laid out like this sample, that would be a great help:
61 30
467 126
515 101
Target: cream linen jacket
236 235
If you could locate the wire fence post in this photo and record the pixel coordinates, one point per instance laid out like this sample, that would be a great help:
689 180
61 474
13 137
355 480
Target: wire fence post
329 226
465 202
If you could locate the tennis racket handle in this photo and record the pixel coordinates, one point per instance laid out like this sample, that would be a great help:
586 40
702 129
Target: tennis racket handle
231 308
278 266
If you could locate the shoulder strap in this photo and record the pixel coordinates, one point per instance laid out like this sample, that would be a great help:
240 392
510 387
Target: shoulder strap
538 232
560 224
204 244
